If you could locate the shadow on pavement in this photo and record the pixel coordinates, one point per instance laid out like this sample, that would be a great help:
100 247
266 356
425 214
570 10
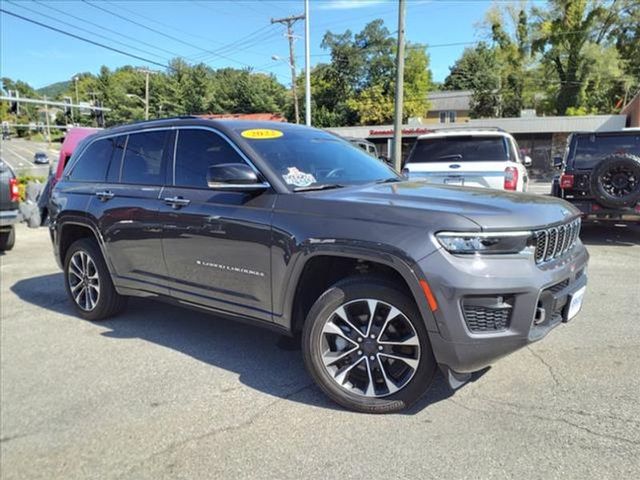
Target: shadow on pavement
263 360
610 234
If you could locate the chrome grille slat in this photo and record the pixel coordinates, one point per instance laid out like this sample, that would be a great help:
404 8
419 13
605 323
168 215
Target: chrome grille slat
555 241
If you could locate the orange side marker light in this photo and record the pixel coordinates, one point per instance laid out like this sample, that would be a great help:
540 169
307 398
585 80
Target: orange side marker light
431 299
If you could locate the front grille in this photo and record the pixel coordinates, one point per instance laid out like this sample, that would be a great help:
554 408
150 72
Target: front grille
487 315
556 241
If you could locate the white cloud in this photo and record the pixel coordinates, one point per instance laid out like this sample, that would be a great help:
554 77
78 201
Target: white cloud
348 4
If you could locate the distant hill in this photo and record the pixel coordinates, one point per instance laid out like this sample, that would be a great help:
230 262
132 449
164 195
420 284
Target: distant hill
54 89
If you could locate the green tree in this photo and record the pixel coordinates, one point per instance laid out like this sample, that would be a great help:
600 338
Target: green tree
571 38
357 86
477 70
513 53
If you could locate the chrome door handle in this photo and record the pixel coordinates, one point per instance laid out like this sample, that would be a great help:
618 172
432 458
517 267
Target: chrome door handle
177 202
105 195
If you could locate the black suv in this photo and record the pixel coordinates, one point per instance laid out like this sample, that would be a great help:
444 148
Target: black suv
601 175
297 230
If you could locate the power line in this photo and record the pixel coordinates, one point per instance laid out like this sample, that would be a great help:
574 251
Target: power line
85 30
162 24
167 35
105 28
78 37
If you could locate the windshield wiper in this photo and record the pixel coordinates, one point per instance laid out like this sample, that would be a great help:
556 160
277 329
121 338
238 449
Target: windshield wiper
389 180
446 157
322 186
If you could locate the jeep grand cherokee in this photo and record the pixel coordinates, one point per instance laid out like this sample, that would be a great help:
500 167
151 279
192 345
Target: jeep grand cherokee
295 229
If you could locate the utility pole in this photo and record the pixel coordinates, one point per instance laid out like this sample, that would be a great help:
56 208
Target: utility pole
289 22
147 72
397 116
46 114
75 80
307 67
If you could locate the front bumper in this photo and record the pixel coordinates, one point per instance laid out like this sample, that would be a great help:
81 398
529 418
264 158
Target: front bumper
537 296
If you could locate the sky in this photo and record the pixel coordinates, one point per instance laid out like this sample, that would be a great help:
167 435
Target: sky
220 33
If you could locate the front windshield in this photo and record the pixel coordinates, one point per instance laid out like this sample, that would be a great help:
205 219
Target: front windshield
306 158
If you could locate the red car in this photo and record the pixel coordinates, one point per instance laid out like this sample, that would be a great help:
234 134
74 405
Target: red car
71 140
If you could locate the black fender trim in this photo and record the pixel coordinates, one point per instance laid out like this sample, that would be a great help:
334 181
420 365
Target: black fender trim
401 266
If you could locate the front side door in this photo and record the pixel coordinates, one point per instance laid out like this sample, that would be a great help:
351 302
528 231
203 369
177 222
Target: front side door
216 244
127 207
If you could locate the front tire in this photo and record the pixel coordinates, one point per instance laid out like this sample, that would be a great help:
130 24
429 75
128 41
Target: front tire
88 282
365 344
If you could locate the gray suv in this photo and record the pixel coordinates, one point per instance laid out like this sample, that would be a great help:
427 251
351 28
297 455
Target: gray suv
294 229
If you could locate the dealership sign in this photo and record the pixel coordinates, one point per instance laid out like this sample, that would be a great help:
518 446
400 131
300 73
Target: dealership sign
405 131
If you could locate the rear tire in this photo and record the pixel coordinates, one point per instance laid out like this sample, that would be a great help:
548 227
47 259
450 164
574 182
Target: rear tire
88 282
387 356
7 239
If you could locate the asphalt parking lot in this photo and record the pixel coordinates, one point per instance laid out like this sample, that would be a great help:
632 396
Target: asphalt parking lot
161 392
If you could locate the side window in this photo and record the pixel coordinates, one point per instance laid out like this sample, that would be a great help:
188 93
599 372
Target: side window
143 158
196 151
452 117
113 174
93 164
443 117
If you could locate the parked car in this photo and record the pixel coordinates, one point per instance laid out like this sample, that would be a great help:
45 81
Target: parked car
40 158
9 198
71 140
600 175
469 157
293 229
370 148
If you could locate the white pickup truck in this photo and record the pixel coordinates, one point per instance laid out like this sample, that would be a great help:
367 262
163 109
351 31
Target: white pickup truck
469 157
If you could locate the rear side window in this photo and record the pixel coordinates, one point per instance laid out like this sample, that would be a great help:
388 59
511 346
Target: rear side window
197 150
461 148
591 149
92 166
142 162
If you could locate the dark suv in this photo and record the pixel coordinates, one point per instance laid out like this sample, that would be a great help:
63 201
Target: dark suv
600 175
297 230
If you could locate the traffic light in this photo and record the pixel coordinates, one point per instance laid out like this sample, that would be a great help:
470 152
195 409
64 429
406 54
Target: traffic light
14 105
67 106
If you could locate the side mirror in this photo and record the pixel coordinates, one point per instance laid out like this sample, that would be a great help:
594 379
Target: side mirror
527 161
557 162
234 176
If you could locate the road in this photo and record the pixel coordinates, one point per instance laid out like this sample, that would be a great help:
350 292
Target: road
162 392
18 153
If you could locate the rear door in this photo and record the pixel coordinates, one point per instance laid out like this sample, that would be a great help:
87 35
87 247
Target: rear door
126 209
216 243
462 160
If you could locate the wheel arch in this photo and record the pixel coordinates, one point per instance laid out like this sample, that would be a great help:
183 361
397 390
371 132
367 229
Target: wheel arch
72 229
337 265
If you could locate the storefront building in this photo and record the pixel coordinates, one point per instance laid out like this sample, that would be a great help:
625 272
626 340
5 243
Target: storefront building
542 138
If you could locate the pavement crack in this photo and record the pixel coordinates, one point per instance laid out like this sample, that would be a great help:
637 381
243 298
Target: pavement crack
521 413
552 373
212 433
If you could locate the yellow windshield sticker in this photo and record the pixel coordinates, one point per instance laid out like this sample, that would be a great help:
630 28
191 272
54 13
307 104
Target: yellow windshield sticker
261 133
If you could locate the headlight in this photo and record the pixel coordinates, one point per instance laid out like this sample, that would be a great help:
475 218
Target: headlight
485 242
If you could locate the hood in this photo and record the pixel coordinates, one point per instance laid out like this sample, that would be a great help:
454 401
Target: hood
487 208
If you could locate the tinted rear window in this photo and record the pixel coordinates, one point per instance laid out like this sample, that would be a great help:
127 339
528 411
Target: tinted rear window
589 150
93 164
461 149
143 158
